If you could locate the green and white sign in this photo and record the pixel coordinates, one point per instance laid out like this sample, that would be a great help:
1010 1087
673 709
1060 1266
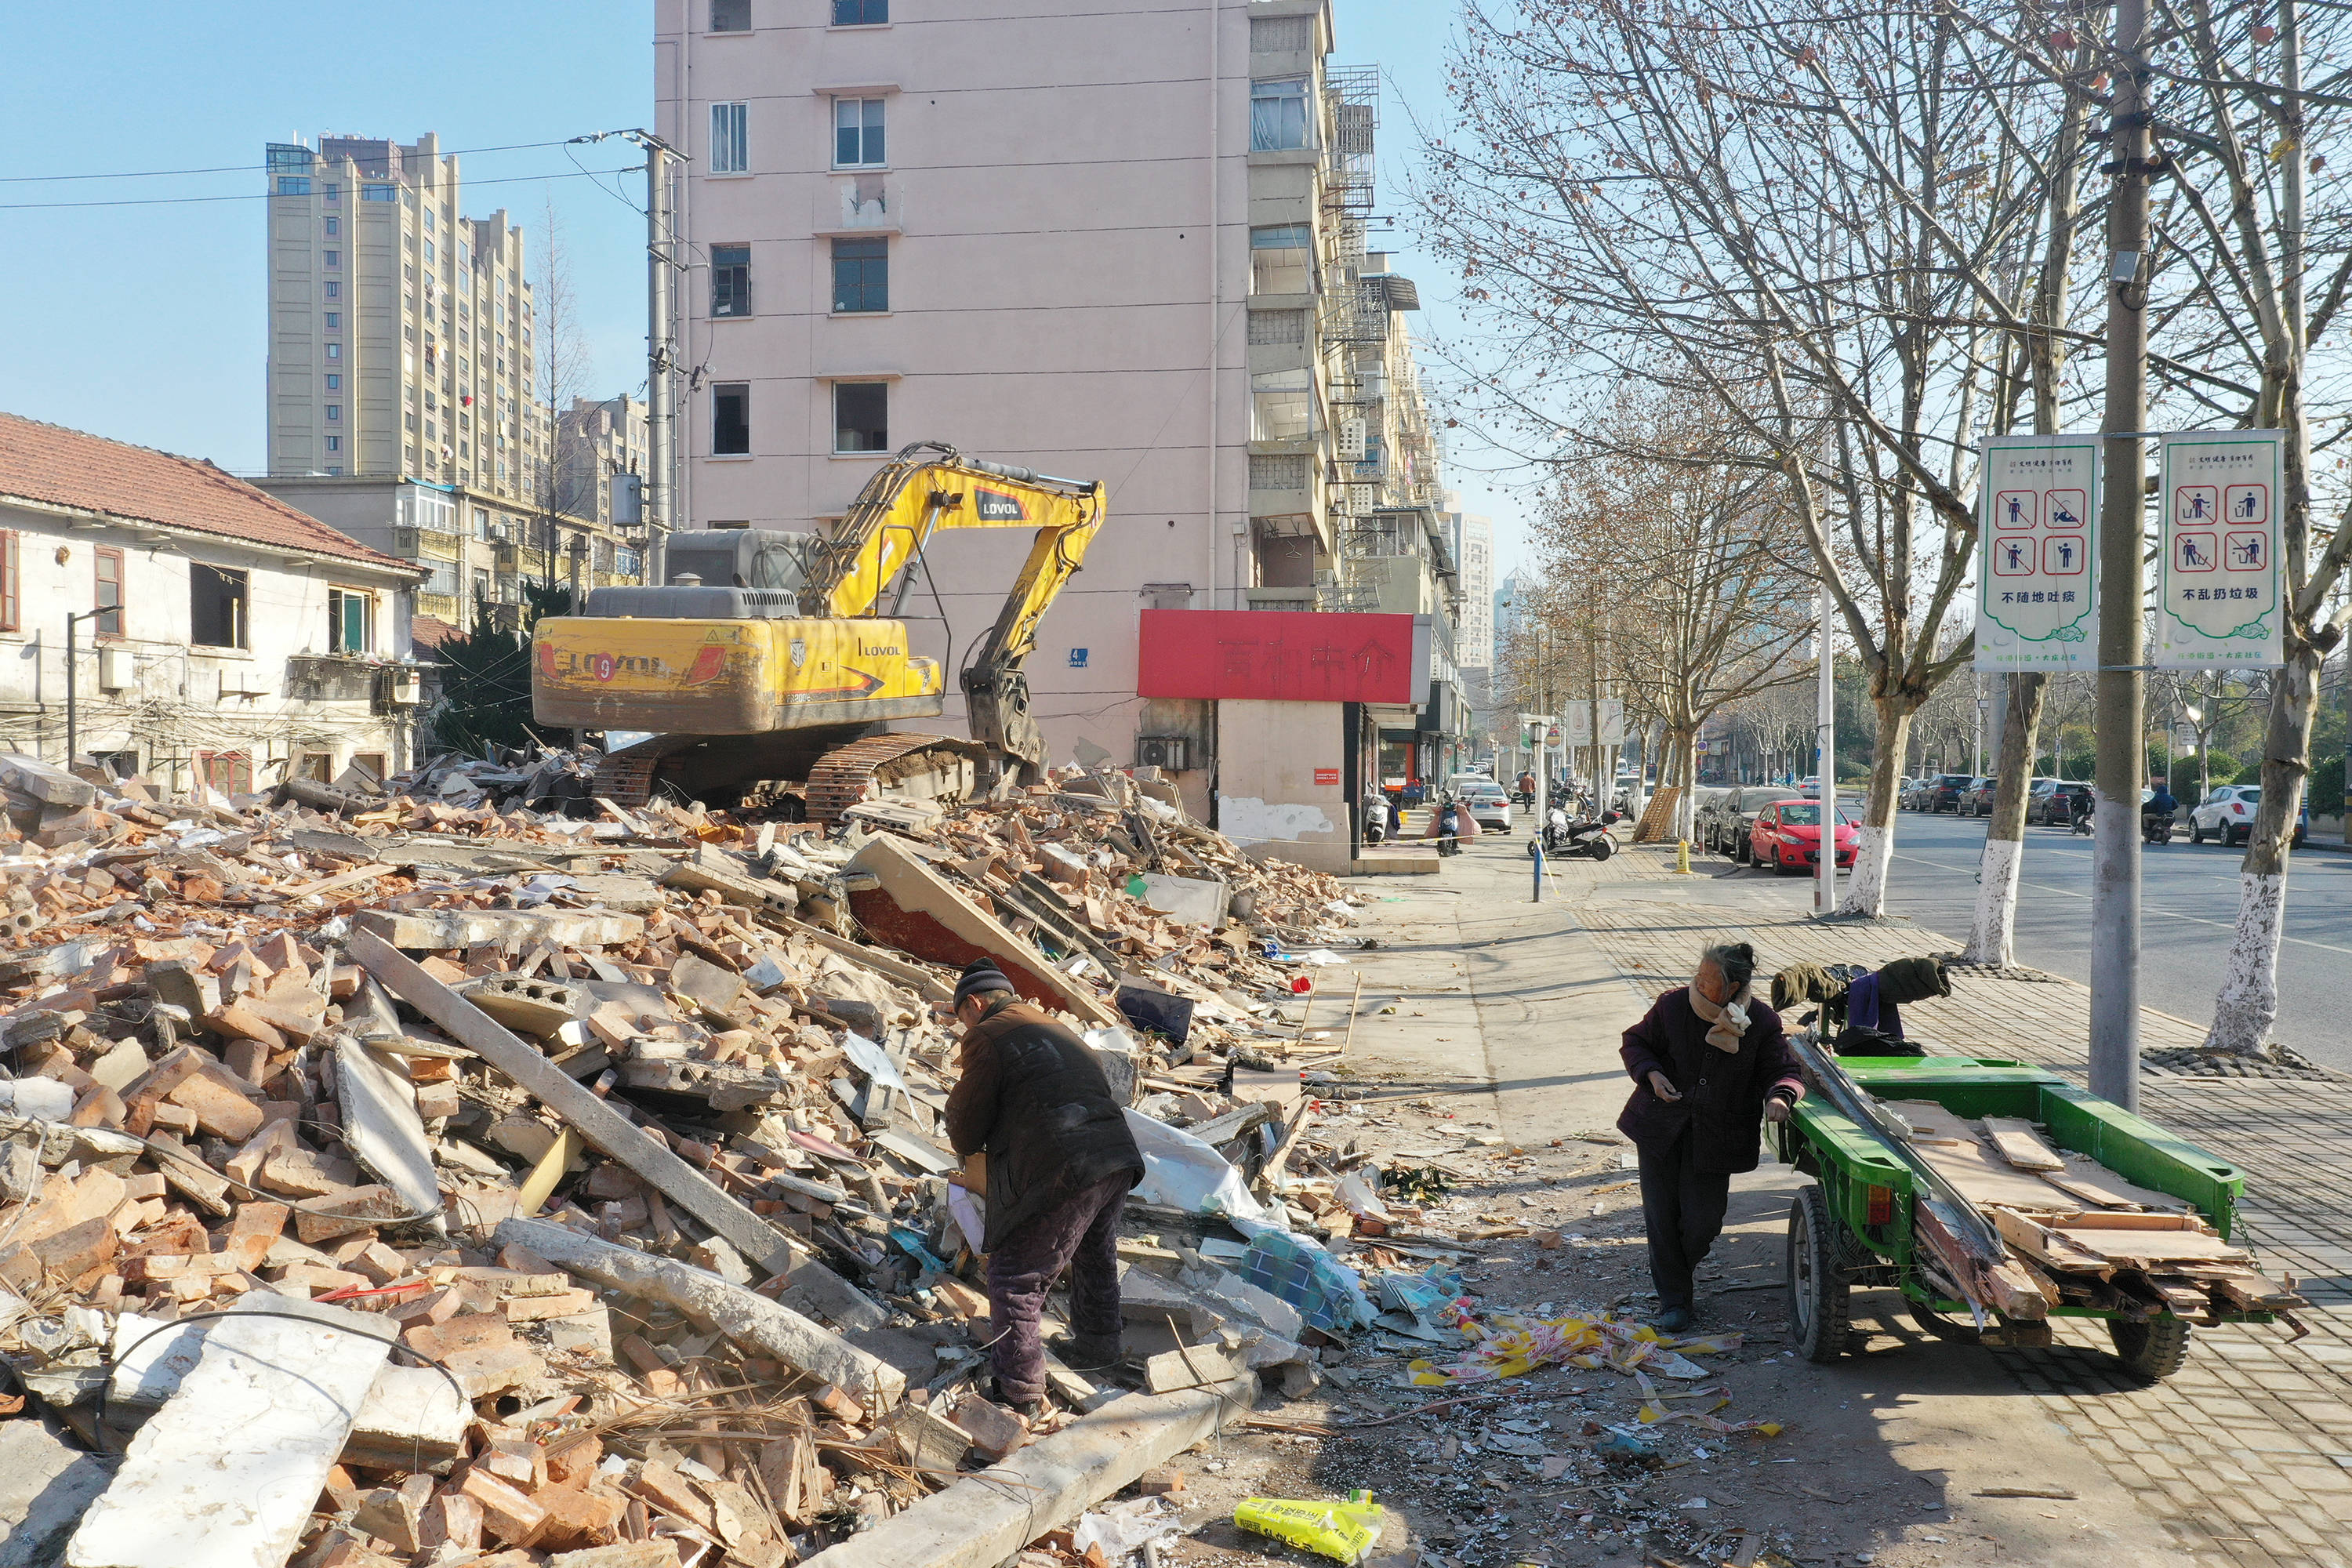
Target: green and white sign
2218 586
2038 553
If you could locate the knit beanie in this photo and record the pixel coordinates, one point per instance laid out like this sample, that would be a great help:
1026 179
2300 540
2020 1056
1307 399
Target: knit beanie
980 974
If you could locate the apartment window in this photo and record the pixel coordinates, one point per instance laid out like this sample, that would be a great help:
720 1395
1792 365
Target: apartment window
378 194
730 15
1278 326
861 274
482 585
730 144
334 443
731 279
731 419
428 253
428 219
334 350
334 289
1281 403
293 185
1278 114
1281 262
857 133
334 258
228 774
860 13
11 583
334 321
861 416
334 225
109 603
334 381
334 190
216 607
335 412
351 620
440 578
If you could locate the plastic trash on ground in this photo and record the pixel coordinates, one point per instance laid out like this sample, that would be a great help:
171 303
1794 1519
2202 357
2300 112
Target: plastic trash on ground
1122 1528
1297 1268
1183 1172
1511 1346
1346 1531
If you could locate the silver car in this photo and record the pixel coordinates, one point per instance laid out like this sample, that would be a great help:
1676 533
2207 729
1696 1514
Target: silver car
1484 799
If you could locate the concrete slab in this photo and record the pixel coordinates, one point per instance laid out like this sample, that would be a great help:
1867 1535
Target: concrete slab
44 1487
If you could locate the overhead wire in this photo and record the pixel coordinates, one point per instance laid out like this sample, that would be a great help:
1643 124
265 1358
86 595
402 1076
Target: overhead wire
249 168
270 195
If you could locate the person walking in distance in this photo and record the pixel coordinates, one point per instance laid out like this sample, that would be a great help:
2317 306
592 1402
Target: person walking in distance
1060 1162
1709 1063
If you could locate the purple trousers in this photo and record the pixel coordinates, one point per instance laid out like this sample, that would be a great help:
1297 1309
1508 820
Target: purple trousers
1080 1234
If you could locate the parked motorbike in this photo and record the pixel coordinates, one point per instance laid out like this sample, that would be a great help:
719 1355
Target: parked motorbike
2156 826
1564 836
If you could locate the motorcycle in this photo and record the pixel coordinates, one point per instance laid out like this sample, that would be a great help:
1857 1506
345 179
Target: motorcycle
2156 828
2082 824
1563 837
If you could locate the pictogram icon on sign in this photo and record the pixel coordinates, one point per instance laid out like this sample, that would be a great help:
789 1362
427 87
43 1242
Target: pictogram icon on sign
2245 552
2014 508
2196 504
2193 553
2062 554
2013 554
2064 509
2246 504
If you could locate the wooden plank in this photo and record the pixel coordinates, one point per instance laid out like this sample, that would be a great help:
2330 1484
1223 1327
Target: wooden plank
2016 1142
1984 1178
2095 1184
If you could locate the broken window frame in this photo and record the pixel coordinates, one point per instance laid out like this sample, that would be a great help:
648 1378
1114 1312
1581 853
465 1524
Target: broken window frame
218 606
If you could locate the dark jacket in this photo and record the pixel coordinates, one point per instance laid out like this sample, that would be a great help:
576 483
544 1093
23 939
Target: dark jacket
1033 1097
1723 1092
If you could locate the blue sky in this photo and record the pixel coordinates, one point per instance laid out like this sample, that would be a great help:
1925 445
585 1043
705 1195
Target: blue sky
144 322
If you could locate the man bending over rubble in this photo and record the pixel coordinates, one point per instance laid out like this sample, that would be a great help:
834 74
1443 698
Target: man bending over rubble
1708 1062
1060 1162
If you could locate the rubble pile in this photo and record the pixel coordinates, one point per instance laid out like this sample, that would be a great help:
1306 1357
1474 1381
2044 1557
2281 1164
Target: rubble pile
478 1184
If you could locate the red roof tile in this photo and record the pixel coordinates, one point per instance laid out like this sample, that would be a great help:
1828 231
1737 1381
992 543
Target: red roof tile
427 632
50 464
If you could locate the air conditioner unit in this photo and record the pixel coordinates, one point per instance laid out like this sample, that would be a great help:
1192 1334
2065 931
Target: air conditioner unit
407 688
1172 753
1351 440
117 671
499 533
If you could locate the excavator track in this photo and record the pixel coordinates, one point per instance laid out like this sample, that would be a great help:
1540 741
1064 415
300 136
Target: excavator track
850 774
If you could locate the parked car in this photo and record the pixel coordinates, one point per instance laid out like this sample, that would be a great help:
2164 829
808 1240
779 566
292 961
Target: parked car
1736 821
2052 802
1976 799
1787 835
1707 803
1942 792
2228 815
1484 799
1917 795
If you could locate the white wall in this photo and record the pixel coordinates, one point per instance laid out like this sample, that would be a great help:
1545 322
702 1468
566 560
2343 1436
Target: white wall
1269 800
176 707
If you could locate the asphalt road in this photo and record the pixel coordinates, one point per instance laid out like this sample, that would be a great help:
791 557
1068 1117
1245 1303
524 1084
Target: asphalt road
2188 912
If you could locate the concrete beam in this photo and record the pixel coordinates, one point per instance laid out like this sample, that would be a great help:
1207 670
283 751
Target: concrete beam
426 930
986 1519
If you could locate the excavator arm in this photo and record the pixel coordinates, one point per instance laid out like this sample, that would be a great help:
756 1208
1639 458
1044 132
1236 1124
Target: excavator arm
882 539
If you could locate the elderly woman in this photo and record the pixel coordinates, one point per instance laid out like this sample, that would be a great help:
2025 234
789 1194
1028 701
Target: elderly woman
1709 1063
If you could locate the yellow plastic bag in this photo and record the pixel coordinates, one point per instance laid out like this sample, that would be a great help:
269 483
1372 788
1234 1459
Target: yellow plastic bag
1345 1530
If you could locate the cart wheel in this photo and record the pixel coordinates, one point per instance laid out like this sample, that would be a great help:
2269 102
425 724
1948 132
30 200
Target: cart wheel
1820 1302
1942 1327
2152 1350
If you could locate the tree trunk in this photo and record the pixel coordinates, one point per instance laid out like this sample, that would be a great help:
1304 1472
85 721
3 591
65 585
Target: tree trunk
1686 773
1992 939
1875 840
2247 1006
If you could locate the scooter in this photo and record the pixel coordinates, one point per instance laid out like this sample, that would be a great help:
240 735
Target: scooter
2082 824
1589 839
2156 826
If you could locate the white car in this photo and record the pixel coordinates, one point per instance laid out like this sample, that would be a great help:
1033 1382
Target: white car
1485 800
2228 815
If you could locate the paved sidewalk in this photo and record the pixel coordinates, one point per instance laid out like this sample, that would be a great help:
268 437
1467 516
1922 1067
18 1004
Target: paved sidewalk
2246 1455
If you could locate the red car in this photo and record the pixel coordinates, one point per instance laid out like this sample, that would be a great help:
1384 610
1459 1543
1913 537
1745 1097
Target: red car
1788 836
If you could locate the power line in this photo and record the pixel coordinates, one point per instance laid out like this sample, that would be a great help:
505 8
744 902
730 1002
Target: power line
272 196
247 168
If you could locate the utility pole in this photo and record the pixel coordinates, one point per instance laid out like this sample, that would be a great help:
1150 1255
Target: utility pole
661 360
1825 716
2115 865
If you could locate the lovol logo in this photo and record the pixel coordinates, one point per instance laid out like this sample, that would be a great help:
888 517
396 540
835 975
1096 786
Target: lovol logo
994 506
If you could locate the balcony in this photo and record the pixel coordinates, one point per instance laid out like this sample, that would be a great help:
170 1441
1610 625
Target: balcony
1300 598
441 606
426 545
330 678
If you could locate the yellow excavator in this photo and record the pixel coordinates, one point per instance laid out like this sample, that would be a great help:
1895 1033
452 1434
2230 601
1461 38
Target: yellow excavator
764 671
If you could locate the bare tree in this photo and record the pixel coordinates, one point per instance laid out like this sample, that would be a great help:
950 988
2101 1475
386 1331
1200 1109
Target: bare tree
1808 224
563 356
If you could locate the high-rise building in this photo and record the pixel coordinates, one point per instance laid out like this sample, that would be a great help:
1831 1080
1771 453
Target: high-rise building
1125 245
1474 554
400 331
